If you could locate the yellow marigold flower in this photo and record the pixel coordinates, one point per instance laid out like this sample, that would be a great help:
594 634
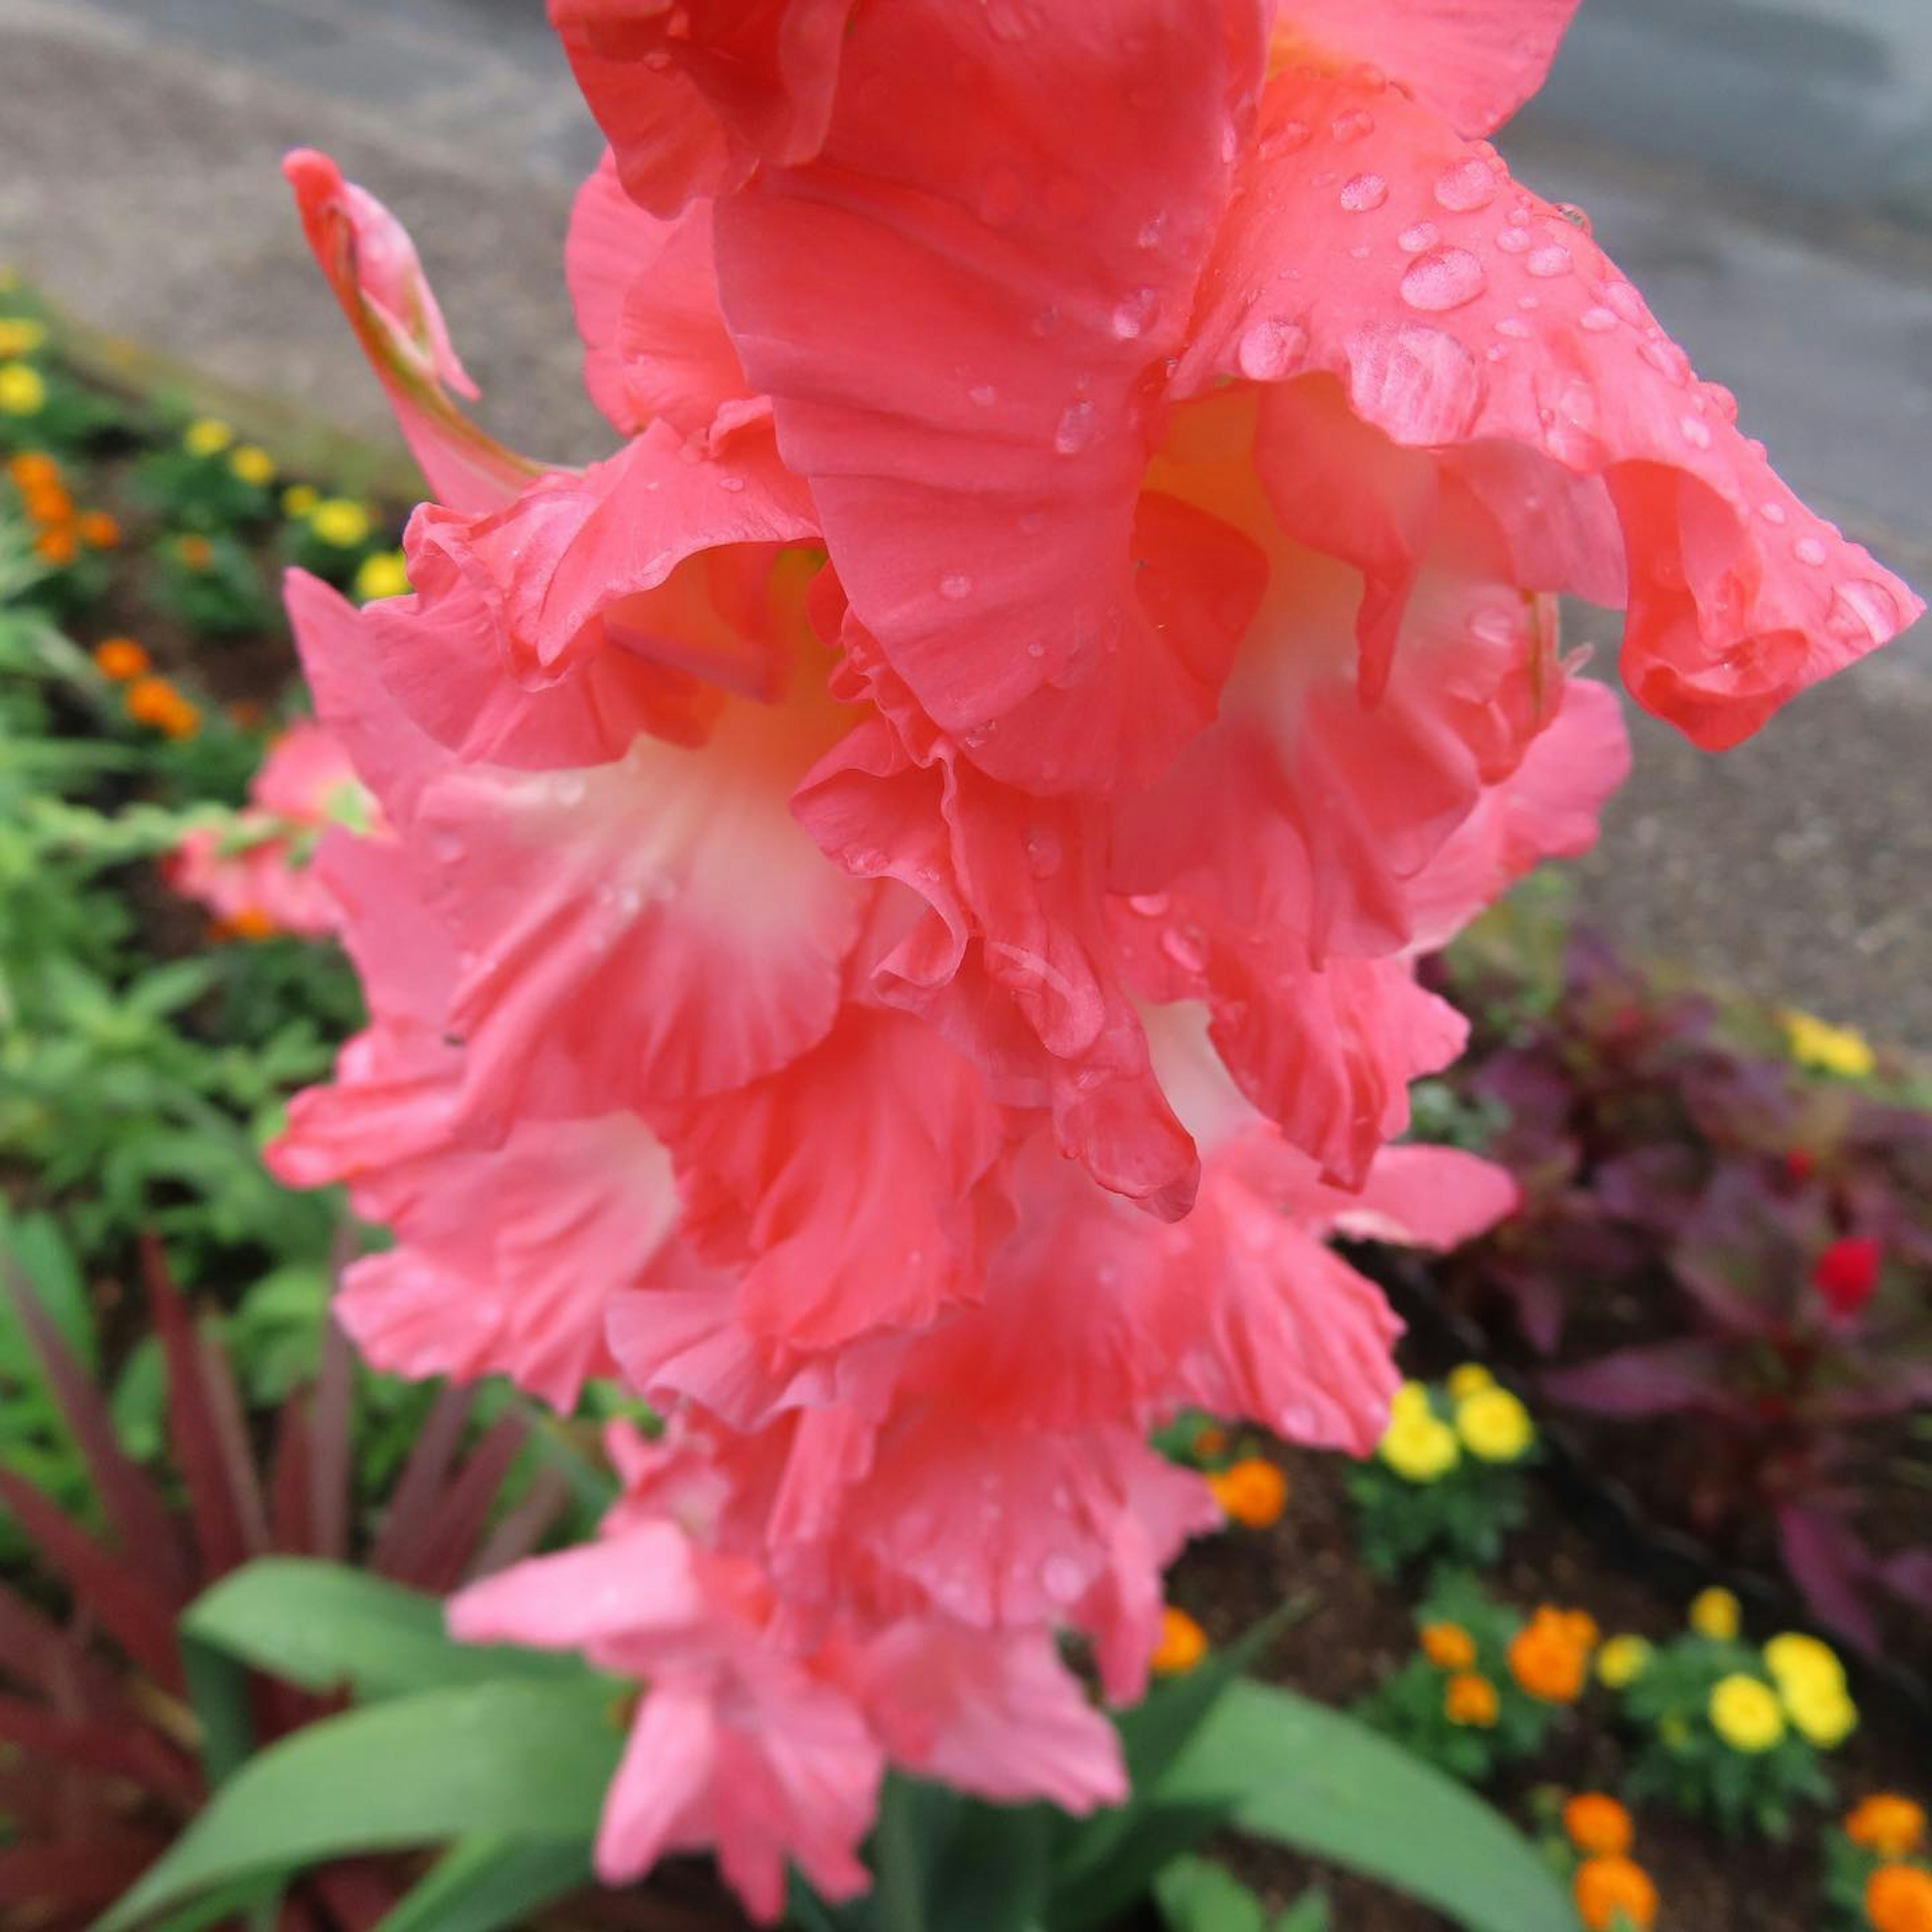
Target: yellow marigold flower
1887 1824
1550 1658
1420 1448
1598 1824
98 530
1448 1646
384 573
1494 1426
1830 1049
252 464
120 658
21 335
207 435
1410 1401
23 392
340 523
1793 1658
1715 1612
1253 1491
1745 1713
1468 1380
1467 1698
1622 1660
1183 1644
299 498
1898 1898
1610 1889
1822 1713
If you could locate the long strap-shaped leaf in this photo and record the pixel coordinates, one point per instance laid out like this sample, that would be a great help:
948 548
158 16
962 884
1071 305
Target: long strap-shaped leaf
516 1760
484 1884
1320 1781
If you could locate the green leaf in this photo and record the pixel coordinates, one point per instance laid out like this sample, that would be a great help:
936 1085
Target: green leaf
483 1884
512 1759
1319 1781
1308 1913
1197 1895
323 1626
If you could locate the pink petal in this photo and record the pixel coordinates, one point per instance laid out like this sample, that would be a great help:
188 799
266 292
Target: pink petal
1473 62
646 292
371 265
693 97
975 431
660 1801
1458 309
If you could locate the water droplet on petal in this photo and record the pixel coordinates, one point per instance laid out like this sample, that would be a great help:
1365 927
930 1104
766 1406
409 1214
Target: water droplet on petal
1444 278
1186 947
1577 218
1269 350
1355 125
955 586
1664 356
1467 185
1076 429
1149 905
1598 321
1134 313
982 394
1424 235
1516 240
1362 193
1809 550
1043 851
1772 513
1513 326
1622 297
1697 432
1864 611
1552 259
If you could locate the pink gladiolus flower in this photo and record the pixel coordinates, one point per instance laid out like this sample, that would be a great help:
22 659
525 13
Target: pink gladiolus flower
895 935
260 874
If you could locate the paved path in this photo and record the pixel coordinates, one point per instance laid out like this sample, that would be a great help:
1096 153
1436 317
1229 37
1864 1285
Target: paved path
1764 170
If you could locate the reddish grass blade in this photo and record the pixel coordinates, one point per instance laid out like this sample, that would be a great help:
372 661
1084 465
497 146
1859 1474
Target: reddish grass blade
418 1497
125 1749
35 1651
193 1427
133 1502
122 1601
290 1484
439 1559
231 1430
524 1527
331 1444
69 1878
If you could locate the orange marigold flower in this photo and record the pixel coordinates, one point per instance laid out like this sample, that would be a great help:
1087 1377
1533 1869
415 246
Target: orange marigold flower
1598 1824
154 702
47 503
57 545
1606 1886
1467 1698
1448 1646
245 713
1886 1823
1547 1658
1183 1644
120 658
1210 1441
98 530
1898 1898
1253 1492
252 922
33 469
197 553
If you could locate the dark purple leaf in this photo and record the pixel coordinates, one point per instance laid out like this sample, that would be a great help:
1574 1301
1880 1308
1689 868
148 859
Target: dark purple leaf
1659 1378
413 1509
524 1526
1830 1565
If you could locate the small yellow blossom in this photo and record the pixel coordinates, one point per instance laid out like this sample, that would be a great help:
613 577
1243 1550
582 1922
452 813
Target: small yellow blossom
252 464
22 393
1792 1658
1715 1612
1183 1644
1822 1713
1622 1660
1494 1426
383 573
1830 1049
340 523
21 335
1411 1399
1468 1380
207 435
1420 1448
299 498
1745 1713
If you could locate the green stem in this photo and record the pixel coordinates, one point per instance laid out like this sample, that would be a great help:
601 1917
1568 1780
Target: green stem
900 1894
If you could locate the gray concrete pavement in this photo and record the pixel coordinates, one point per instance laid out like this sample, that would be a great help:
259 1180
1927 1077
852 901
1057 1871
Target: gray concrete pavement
1763 170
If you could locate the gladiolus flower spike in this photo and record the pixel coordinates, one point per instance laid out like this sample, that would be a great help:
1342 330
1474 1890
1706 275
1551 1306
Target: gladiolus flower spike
888 905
